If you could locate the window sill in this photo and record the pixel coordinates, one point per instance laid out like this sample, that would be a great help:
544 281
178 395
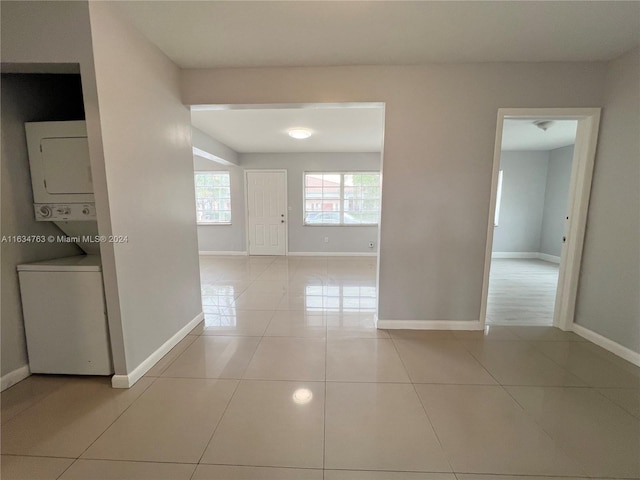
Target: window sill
213 224
340 225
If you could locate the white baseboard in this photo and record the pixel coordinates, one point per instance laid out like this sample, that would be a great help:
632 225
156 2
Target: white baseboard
540 256
126 381
429 324
549 258
614 347
514 255
216 252
333 254
11 378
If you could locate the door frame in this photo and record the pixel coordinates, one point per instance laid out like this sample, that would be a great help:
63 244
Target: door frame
286 203
578 204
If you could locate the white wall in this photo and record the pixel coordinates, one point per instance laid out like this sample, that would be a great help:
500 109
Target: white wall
556 197
301 238
146 133
610 278
27 98
440 124
521 208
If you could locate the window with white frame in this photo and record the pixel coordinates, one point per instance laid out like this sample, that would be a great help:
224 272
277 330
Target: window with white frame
345 198
213 198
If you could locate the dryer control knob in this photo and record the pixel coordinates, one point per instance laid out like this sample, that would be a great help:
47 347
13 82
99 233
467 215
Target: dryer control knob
45 211
86 211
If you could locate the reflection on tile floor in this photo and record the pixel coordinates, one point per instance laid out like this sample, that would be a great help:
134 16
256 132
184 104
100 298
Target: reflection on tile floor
287 377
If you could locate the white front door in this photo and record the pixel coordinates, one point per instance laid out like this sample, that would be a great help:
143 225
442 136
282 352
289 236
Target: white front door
267 212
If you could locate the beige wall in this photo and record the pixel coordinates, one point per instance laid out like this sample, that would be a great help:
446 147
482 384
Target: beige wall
439 136
146 134
609 291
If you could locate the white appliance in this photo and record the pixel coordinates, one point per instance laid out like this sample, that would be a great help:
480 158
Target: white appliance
61 179
65 316
60 171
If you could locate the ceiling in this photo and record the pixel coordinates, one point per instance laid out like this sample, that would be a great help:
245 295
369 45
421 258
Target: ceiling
200 34
346 128
524 135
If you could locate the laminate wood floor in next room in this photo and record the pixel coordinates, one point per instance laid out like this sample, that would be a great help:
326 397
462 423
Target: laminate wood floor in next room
287 378
521 292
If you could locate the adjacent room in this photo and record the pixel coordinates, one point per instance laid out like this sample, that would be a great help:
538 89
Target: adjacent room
288 206
530 219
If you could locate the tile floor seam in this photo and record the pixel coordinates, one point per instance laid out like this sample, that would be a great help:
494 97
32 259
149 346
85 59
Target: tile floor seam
65 470
154 380
547 433
35 456
498 382
587 383
204 450
599 390
480 363
324 417
228 403
415 391
30 406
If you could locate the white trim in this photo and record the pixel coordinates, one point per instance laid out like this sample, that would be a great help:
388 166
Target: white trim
429 324
220 252
126 381
11 378
214 158
578 207
614 347
540 256
549 258
579 192
278 106
333 254
515 255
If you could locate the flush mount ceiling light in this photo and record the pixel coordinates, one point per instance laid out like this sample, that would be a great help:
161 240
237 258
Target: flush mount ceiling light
299 133
543 124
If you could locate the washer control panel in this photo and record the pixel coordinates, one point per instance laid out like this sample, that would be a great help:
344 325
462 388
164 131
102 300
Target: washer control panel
55 212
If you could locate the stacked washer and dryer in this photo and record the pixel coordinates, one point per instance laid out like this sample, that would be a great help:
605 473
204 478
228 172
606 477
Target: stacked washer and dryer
63 299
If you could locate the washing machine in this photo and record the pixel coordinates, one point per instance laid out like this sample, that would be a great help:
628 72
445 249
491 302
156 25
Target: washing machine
65 316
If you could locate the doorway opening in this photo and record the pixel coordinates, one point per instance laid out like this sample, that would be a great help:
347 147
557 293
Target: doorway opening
295 237
542 170
292 179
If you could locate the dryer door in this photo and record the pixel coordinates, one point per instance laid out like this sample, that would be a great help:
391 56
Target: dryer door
67 169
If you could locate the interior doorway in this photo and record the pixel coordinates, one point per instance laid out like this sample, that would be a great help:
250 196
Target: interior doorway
531 210
542 170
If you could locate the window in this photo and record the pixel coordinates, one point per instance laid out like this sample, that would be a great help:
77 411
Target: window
213 198
342 198
496 218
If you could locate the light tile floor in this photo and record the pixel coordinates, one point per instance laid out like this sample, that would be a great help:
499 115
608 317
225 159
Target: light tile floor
287 378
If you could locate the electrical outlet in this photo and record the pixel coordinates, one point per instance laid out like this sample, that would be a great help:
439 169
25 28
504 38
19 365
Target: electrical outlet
326 239
371 244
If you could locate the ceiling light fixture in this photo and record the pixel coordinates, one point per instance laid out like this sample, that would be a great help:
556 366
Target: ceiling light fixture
299 133
543 125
